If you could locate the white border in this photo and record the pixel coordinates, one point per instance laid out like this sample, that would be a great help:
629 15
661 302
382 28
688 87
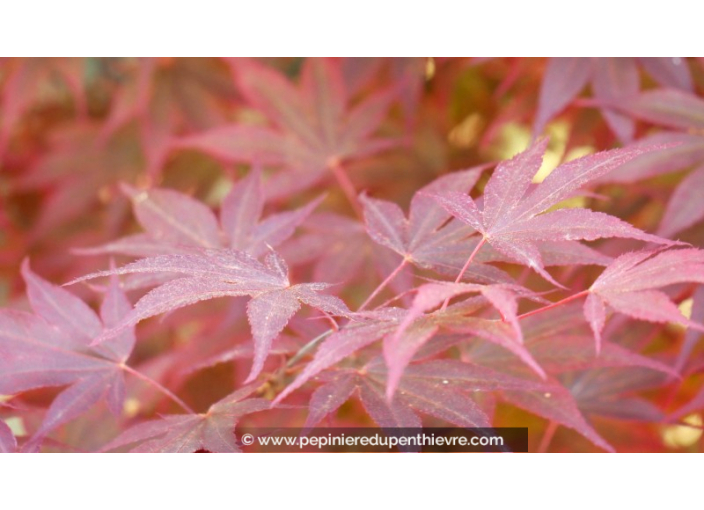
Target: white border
345 28
351 480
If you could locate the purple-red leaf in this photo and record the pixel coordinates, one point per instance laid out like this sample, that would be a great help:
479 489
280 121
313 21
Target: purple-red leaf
564 79
685 207
213 431
510 218
221 273
628 284
61 308
53 349
268 314
557 405
175 217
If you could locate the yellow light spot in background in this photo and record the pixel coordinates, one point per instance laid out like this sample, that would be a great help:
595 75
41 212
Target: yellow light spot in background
681 436
219 191
131 407
578 152
466 133
559 133
570 203
512 139
429 68
686 307
515 138
16 425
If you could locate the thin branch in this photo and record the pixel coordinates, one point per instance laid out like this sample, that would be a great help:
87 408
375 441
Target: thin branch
464 269
383 284
470 259
554 305
165 391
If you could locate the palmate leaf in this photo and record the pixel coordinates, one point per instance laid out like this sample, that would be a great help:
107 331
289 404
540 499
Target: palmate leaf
628 286
560 341
440 389
51 347
400 347
685 207
613 80
325 243
213 431
611 392
69 173
435 388
174 222
20 88
512 218
564 347
683 113
423 239
342 343
557 405
404 334
211 274
163 97
314 124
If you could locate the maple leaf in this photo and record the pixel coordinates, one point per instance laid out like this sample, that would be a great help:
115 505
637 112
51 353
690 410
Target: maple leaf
72 171
165 97
325 242
557 404
612 79
400 347
51 347
315 129
210 274
612 392
403 336
175 222
347 340
213 430
628 286
683 115
20 88
560 341
423 239
564 347
435 388
438 388
512 219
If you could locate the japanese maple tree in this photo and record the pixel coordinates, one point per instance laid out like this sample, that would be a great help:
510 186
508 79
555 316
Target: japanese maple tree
190 246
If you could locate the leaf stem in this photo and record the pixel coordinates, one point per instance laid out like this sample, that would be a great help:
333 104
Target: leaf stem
554 305
165 391
464 269
346 185
469 260
383 284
